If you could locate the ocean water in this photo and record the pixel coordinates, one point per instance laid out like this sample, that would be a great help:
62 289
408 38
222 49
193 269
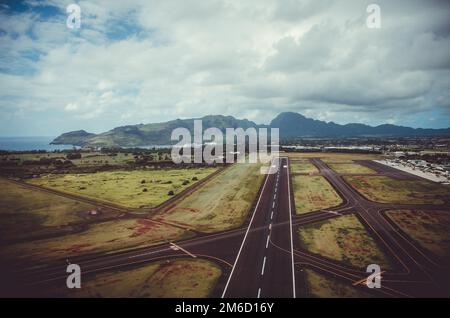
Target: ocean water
30 143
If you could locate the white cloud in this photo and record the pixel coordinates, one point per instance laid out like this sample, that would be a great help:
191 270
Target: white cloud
244 58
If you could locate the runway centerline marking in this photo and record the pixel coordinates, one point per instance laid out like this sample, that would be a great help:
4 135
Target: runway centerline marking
267 241
263 266
259 292
245 237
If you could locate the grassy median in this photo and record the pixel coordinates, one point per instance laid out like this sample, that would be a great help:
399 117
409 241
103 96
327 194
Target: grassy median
343 239
101 237
134 189
302 166
221 203
330 157
177 278
431 229
320 286
350 168
313 193
388 190
25 212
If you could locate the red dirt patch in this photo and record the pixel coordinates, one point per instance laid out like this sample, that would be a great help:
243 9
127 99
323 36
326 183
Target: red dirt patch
76 248
143 227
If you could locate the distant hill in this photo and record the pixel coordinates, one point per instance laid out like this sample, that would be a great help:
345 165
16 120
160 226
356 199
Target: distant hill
76 138
296 125
291 125
149 134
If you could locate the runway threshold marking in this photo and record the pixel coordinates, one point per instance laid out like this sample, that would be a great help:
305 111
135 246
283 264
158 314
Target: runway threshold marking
245 237
180 248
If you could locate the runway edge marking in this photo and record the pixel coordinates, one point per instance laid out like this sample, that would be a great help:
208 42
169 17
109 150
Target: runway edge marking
290 221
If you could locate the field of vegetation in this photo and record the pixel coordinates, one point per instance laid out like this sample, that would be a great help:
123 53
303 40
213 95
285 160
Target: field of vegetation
25 213
178 278
343 239
348 168
221 203
388 190
329 157
313 193
93 158
302 166
320 286
100 237
431 229
134 189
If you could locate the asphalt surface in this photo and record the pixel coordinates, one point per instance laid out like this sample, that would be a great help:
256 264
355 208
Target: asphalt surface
264 258
261 269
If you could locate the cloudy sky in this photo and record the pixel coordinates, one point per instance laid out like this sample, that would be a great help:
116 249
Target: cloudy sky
140 61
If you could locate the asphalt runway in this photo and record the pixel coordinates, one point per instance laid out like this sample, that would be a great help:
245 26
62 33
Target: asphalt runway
263 258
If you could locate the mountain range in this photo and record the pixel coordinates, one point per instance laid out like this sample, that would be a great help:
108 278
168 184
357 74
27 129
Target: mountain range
291 125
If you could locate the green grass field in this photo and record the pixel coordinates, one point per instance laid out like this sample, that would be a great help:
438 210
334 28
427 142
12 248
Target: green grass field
330 157
101 237
388 190
343 239
134 189
302 166
25 213
313 193
320 286
347 168
431 229
223 202
94 158
179 278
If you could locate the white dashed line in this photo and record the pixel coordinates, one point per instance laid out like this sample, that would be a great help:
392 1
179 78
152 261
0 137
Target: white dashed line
271 215
267 242
264 265
259 292
270 226
243 241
